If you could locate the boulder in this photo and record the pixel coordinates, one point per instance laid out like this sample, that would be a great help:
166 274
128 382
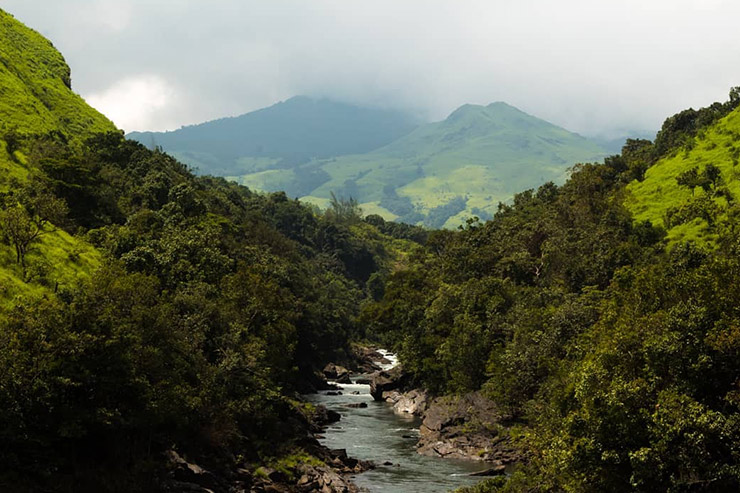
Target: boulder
344 378
186 472
385 381
337 373
413 402
467 427
323 416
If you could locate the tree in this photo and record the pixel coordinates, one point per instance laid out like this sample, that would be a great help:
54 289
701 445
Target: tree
24 220
689 179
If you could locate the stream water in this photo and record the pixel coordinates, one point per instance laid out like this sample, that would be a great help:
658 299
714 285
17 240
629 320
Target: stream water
378 434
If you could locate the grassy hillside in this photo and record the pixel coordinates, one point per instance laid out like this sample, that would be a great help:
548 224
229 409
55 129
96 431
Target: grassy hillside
691 213
462 166
35 99
281 137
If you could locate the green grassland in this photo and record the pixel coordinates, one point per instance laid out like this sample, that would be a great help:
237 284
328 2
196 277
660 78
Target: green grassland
652 198
36 98
483 154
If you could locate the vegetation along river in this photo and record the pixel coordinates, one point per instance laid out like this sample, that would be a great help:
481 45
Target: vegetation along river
378 434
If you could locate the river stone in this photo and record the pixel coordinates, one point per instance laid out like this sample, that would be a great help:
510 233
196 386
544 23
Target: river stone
336 372
413 402
357 405
385 381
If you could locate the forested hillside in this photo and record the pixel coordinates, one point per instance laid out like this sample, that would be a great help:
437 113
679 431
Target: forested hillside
144 309
693 184
613 354
275 140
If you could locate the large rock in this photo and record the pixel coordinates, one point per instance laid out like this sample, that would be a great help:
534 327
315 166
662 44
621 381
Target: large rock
413 402
337 373
385 381
467 427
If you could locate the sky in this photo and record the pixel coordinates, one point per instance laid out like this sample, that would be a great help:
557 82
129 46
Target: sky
597 67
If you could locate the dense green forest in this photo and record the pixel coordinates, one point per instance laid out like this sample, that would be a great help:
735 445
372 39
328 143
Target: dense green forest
613 348
144 309
210 308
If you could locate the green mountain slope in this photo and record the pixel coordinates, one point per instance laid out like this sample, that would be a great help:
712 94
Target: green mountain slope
692 213
35 99
446 171
281 136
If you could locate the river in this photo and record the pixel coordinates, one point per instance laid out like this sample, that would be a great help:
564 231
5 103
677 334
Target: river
378 434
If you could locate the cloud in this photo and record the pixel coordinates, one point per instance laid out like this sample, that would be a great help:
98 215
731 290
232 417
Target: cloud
593 67
136 102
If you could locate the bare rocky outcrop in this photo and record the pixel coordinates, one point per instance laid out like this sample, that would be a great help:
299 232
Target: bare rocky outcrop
337 373
383 382
467 427
412 402
367 359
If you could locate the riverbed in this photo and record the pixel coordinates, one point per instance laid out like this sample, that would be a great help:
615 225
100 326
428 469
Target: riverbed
378 434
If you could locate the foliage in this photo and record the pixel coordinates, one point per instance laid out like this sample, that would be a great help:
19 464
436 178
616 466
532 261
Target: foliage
213 304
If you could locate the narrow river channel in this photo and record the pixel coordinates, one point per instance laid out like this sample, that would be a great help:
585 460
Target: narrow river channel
378 434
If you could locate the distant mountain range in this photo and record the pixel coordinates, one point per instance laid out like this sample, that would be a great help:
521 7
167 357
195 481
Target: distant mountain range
437 174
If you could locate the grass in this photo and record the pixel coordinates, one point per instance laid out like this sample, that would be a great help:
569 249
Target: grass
35 98
35 86
57 262
651 198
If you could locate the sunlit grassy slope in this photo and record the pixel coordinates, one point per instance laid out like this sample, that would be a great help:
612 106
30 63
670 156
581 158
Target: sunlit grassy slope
651 198
36 98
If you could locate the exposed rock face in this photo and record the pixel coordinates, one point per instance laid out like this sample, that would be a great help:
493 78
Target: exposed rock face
467 427
386 381
337 373
413 402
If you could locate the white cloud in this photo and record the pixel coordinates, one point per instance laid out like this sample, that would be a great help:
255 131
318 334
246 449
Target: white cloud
137 102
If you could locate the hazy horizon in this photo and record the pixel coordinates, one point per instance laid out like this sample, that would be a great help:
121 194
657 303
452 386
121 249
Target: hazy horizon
599 70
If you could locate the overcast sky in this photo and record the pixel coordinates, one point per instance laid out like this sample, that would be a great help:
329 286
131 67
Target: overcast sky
593 66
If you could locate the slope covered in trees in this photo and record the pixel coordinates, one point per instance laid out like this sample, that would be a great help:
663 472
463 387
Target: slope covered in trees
36 99
614 355
281 137
144 309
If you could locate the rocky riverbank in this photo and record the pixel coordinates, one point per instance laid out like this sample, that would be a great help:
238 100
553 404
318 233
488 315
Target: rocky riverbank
306 466
469 426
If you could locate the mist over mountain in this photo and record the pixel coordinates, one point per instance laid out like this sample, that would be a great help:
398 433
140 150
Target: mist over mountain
283 135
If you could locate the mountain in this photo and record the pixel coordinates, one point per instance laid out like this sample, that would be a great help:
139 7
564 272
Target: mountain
281 136
693 180
445 171
438 173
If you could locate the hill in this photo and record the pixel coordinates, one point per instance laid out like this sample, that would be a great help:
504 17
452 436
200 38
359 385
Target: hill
439 174
462 166
36 99
692 184
281 136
